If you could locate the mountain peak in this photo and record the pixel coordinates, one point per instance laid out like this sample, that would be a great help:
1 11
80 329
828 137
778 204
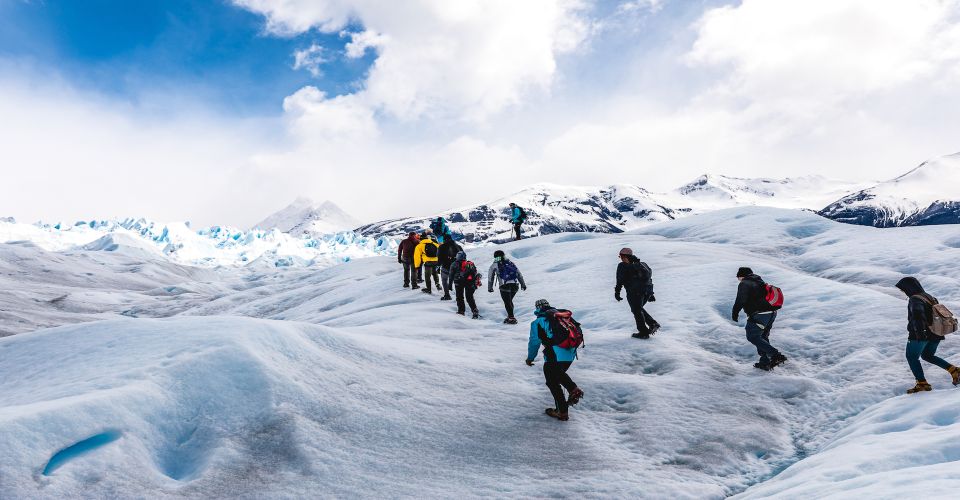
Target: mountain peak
304 215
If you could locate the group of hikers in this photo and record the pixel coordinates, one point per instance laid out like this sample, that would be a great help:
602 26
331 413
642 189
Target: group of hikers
434 256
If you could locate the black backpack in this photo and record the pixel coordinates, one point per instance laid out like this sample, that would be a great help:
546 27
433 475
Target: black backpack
644 275
523 214
431 250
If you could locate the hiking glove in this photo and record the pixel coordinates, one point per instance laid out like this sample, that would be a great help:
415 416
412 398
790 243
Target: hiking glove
652 298
617 296
736 318
523 287
529 362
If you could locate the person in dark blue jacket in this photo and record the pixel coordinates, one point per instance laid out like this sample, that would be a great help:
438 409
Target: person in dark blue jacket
556 362
921 342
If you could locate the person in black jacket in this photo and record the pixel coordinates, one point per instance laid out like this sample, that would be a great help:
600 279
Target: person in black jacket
921 342
751 298
448 253
635 277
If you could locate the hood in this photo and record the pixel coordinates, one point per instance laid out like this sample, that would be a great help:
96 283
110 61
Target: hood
461 255
910 286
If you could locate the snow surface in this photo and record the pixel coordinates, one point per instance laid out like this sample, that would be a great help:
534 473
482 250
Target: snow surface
279 383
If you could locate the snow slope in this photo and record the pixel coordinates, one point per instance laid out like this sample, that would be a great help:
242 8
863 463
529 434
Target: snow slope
304 216
927 195
291 383
713 192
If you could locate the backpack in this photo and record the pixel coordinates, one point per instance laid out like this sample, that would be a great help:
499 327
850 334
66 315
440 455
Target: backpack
566 330
468 274
508 271
431 250
944 322
523 214
644 275
773 295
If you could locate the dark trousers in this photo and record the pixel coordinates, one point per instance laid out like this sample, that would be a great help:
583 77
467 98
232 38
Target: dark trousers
758 333
507 292
432 271
516 230
445 280
640 315
925 350
555 373
468 292
408 269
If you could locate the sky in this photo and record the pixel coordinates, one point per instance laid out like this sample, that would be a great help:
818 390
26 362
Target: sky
223 111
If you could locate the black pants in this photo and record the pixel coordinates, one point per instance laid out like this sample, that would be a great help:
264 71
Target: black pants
432 270
758 334
507 292
407 270
468 291
640 315
516 230
555 373
445 280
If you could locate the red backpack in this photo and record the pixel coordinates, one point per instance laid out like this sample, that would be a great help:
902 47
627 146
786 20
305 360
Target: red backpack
774 296
566 330
469 275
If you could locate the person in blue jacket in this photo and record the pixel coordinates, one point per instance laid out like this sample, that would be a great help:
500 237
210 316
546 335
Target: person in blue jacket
556 362
517 217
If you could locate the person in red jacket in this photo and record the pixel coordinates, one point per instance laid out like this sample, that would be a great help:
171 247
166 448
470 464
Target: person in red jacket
405 257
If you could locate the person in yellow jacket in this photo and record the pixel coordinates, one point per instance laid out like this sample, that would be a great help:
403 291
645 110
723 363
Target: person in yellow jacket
427 255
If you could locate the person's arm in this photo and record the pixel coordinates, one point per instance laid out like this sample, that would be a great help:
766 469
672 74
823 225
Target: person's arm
416 255
492 274
743 294
523 285
621 278
533 345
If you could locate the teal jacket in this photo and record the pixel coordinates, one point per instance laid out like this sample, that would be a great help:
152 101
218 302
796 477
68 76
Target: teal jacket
553 353
515 216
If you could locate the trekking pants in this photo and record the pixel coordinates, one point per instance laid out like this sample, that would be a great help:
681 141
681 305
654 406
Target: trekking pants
758 333
640 315
555 373
408 269
445 279
431 270
507 292
925 350
516 230
467 291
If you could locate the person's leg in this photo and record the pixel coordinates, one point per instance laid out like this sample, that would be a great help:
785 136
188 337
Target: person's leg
929 354
551 372
647 318
435 270
914 349
636 307
564 378
473 304
406 274
445 279
415 276
506 293
461 307
428 275
755 328
516 230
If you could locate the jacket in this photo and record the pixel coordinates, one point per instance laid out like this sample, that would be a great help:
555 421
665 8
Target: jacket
751 297
448 253
631 278
550 353
420 256
515 215
405 250
493 275
919 312
454 274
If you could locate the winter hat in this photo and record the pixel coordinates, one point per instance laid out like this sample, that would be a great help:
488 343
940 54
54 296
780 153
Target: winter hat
498 253
513 204
412 234
542 305
743 272
461 255
626 251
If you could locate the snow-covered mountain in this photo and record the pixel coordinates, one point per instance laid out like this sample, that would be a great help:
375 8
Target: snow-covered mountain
618 208
304 216
926 195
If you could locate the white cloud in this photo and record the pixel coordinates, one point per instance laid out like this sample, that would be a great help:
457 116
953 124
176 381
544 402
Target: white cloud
310 59
361 41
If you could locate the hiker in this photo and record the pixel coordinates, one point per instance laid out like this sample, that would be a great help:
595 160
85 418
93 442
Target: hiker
922 341
556 359
448 253
637 278
466 279
752 299
441 230
517 217
425 257
405 257
505 272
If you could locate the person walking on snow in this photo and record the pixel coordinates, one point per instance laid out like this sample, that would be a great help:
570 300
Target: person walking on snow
556 362
751 298
405 257
517 217
425 256
448 253
506 273
464 276
637 278
922 343
441 230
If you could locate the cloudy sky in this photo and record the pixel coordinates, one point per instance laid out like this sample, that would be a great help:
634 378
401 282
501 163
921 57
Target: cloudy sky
225 110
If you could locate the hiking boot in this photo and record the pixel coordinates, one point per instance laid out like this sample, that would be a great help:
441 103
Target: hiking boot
438 287
446 297
510 321
406 285
553 412
461 313
765 366
778 359
921 386
575 396
654 329
955 373
427 291
639 335
414 287
476 314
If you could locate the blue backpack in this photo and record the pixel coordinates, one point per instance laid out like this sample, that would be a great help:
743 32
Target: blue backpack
508 271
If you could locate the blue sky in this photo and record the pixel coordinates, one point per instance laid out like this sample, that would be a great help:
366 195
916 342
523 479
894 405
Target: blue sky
206 50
